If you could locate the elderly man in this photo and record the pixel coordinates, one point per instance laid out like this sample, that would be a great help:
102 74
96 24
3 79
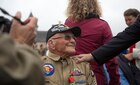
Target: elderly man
59 68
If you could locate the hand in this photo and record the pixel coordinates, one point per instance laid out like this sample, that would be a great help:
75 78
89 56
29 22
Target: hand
83 57
129 56
24 33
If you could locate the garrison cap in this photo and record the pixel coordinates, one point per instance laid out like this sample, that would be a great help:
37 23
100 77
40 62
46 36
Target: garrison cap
60 28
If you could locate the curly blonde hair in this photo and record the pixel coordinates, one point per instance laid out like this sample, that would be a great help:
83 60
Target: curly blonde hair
80 9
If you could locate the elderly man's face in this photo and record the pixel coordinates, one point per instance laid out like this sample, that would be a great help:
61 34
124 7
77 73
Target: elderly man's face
64 43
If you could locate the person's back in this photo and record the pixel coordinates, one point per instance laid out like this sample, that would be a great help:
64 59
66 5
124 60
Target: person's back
94 33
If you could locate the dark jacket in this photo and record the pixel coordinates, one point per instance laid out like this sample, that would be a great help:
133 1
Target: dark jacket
5 24
117 44
130 71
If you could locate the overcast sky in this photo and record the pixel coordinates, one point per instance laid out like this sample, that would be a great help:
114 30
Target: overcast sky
50 12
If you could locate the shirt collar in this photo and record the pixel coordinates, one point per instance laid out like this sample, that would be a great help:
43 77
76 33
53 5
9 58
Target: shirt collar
56 57
53 56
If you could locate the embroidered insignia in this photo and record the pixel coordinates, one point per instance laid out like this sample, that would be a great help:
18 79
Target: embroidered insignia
81 82
76 72
48 69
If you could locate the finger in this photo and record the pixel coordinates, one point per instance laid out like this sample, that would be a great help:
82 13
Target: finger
77 56
27 21
33 22
79 61
74 56
18 15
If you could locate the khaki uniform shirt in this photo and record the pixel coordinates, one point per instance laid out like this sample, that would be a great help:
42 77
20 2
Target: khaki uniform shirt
60 71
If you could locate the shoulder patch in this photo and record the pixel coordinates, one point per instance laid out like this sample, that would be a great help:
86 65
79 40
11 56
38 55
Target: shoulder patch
48 69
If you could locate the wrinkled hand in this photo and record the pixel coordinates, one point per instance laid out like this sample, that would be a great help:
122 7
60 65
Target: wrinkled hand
83 58
24 33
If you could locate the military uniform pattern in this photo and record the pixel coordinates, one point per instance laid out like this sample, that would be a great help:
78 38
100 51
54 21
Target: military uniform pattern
19 64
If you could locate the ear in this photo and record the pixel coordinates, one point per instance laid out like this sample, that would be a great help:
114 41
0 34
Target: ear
51 44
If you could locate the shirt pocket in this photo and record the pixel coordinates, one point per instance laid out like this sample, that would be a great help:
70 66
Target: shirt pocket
51 81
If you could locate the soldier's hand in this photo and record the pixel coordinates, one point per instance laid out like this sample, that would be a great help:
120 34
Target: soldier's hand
24 33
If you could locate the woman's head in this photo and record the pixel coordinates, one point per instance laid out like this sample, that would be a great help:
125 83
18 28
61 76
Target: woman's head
80 9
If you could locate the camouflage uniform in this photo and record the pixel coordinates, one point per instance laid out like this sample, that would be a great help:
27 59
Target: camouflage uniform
60 71
19 64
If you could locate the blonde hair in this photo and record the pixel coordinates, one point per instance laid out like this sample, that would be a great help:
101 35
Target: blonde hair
80 9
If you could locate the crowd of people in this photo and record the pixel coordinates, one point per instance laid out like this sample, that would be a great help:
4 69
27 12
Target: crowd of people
40 48
76 50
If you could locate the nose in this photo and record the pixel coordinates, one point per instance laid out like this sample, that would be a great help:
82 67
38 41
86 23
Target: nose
72 39
128 23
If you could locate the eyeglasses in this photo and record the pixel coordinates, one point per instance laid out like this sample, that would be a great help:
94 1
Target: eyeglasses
66 37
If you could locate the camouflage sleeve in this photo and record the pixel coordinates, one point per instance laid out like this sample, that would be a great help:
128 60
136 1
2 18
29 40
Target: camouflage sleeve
19 62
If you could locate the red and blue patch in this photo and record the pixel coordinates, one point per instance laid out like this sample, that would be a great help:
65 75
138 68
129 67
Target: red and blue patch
48 69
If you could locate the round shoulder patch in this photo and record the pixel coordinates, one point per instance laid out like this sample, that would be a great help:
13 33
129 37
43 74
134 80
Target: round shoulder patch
48 69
